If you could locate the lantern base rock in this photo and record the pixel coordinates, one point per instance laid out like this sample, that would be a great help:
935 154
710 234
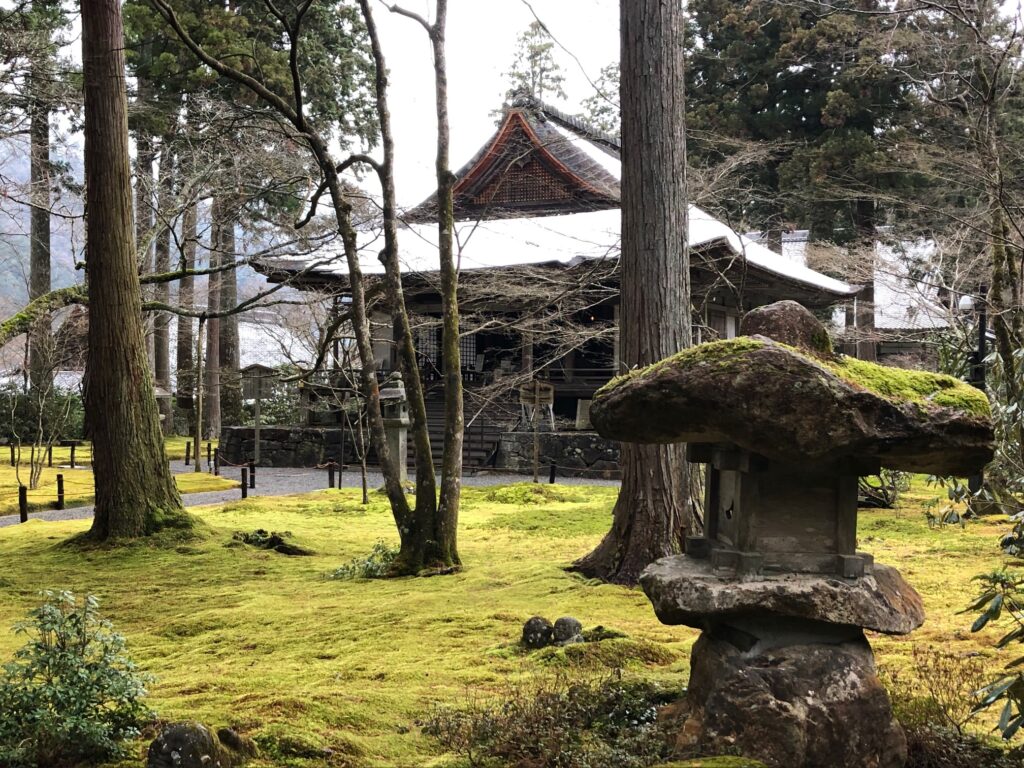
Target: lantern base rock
805 705
690 591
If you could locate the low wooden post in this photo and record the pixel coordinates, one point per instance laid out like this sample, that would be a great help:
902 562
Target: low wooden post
330 475
49 455
551 477
188 452
72 455
60 491
209 455
216 461
252 474
12 454
23 503
245 482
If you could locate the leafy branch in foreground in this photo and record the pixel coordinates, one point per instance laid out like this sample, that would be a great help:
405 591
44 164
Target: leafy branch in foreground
1002 600
71 694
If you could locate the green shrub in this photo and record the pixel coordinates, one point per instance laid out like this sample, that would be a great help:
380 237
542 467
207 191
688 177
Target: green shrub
71 694
938 692
559 723
373 566
1002 601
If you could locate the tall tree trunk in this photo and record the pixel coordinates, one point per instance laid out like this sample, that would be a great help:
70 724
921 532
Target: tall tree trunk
41 363
230 376
162 291
444 534
211 376
184 363
651 514
411 557
135 492
145 156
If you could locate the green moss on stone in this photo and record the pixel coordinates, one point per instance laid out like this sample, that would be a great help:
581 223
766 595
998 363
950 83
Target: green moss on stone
905 385
711 352
897 384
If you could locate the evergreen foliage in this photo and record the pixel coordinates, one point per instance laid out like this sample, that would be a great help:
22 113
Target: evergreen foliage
819 87
71 694
535 71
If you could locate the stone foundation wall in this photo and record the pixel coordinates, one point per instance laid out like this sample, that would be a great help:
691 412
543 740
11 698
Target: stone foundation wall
287 446
576 454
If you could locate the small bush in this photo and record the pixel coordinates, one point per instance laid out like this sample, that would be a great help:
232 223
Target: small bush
373 566
71 694
936 747
559 724
940 692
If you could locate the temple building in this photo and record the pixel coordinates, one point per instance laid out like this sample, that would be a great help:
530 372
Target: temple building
537 239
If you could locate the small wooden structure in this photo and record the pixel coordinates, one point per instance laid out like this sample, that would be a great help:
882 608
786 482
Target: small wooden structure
763 515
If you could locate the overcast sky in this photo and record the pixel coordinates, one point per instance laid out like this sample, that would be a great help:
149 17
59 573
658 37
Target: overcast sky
481 45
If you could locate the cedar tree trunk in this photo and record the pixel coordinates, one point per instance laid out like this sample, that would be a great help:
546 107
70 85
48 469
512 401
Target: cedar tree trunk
135 492
41 350
211 376
162 290
651 514
184 363
230 377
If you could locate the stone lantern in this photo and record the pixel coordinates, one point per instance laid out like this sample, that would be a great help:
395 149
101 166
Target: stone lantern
782 671
394 408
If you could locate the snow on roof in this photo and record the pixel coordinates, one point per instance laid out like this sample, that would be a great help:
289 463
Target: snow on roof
901 302
562 239
705 228
604 159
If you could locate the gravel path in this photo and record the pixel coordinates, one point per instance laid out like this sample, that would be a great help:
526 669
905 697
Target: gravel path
285 482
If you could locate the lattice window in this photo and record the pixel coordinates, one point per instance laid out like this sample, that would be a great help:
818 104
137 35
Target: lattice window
467 349
426 344
530 182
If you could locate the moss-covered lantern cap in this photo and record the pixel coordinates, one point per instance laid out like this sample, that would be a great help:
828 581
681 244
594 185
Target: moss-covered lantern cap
788 398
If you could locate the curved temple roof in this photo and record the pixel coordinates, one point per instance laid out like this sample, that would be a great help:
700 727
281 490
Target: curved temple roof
545 189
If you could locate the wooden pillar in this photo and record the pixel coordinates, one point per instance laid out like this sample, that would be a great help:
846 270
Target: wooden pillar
527 352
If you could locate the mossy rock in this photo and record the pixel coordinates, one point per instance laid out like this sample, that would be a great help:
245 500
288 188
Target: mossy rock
793 406
607 654
524 494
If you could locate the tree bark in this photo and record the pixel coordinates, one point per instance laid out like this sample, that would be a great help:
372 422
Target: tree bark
444 535
412 556
145 156
41 363
162 291
230 377
184 362
651 514
211 376
135 492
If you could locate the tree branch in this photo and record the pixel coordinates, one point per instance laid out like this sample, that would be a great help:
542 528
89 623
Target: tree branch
39 308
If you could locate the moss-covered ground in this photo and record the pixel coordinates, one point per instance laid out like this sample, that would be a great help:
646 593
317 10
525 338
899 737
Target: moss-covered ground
78 483
265 642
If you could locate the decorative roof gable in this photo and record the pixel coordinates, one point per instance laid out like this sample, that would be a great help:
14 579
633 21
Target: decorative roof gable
536 164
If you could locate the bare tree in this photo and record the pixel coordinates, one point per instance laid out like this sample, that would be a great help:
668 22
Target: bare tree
290 112
444 527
